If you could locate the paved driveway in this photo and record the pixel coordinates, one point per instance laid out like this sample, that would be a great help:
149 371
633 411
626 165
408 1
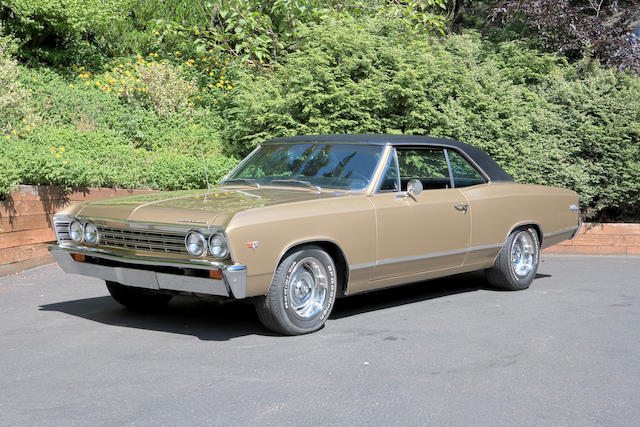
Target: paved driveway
567 351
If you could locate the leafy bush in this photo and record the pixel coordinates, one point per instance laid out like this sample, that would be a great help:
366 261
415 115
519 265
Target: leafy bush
544 121
52 24
69 157
14 98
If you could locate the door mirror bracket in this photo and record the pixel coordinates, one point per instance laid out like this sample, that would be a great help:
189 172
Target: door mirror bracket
414 187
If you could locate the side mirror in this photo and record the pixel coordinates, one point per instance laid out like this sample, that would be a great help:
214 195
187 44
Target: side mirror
414 187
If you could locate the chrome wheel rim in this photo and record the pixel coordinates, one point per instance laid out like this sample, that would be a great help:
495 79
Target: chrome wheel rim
308 288
522 254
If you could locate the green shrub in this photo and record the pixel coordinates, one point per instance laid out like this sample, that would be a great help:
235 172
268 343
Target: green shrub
14 98
66 156
544 121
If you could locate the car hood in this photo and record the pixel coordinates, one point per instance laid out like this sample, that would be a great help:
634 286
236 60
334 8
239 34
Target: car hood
197 207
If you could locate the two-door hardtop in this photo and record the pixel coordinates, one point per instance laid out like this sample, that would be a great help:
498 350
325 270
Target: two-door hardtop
305 219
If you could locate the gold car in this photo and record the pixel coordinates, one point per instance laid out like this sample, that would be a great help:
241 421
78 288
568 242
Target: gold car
306 219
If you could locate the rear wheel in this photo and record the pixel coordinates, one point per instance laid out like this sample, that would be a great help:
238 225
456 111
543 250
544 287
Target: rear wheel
136 298
302 293
517 263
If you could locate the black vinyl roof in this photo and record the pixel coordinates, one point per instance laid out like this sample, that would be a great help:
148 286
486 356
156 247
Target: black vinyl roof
481 159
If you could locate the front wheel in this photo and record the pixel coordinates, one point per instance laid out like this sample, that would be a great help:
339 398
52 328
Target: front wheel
302 293
136 298
517 263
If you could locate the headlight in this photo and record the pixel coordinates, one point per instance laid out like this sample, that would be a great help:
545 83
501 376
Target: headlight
218 246
196 243
90 233
75 231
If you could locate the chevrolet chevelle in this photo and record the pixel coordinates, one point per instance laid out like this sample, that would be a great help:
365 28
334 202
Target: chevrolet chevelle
306 219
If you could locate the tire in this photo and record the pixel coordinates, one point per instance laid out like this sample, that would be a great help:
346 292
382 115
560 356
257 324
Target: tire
302 293
517 263
137 299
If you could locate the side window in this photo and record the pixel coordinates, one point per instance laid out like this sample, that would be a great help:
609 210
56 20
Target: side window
390 178
428 165
464 175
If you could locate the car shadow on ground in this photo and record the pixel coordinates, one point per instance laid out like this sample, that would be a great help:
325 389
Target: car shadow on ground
213 321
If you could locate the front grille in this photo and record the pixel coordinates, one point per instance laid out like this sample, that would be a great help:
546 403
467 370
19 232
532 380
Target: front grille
61 227
146 240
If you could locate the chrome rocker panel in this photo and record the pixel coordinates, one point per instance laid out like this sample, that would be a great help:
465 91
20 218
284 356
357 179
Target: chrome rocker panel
233 283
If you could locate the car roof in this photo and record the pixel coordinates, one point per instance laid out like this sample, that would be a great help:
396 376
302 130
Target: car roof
481 159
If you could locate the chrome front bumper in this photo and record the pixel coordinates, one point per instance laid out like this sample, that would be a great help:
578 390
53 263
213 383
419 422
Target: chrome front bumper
153 272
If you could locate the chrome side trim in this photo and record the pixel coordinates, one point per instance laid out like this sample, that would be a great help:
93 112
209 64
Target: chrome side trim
452 184
564 230
426 256
361 266
233 283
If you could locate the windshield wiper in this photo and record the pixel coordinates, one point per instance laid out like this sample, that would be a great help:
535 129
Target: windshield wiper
247 180
298 181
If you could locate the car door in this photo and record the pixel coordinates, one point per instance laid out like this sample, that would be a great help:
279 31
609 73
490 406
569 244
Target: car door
423 232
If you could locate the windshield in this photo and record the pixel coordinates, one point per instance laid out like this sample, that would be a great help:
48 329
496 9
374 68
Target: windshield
341 166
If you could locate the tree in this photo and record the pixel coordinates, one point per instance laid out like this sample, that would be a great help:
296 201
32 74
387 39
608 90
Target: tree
600 27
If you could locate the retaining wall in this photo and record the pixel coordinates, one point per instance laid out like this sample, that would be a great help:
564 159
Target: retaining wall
601 239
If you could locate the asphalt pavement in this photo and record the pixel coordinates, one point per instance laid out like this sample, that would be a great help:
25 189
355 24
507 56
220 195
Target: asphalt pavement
450 351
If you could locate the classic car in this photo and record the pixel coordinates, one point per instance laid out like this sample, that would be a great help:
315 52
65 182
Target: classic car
304 220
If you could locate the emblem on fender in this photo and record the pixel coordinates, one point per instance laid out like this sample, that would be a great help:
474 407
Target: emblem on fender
253 245
192 221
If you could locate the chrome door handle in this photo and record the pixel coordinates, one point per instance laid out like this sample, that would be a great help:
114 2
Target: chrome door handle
461 207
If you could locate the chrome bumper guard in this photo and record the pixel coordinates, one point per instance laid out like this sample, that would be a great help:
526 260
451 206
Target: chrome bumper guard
152 272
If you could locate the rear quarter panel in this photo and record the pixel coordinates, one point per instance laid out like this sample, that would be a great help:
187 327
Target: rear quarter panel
347 221
498 208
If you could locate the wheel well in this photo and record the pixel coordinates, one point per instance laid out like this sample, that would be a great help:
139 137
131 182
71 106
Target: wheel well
532 225
335 252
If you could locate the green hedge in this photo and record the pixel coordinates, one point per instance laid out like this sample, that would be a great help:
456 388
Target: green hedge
544 121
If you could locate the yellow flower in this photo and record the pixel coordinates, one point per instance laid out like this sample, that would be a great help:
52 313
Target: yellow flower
98 83
70 84
157 33
250 75
87 83
58 155
218 84
62 149
52 149
177 53
229 87
64 162
24 120
211 73
210 85
203 89
27 128
8 136
30 91
15 132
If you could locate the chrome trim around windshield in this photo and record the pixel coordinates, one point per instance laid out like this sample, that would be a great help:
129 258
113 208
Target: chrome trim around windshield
239 165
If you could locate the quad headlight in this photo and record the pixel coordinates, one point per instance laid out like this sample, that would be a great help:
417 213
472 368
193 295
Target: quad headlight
90 233
218 246
196 243
76 231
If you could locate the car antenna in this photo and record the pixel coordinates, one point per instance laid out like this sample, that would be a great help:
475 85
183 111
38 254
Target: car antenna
204 166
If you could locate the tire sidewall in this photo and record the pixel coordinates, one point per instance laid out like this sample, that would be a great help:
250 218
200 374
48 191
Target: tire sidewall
283 288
